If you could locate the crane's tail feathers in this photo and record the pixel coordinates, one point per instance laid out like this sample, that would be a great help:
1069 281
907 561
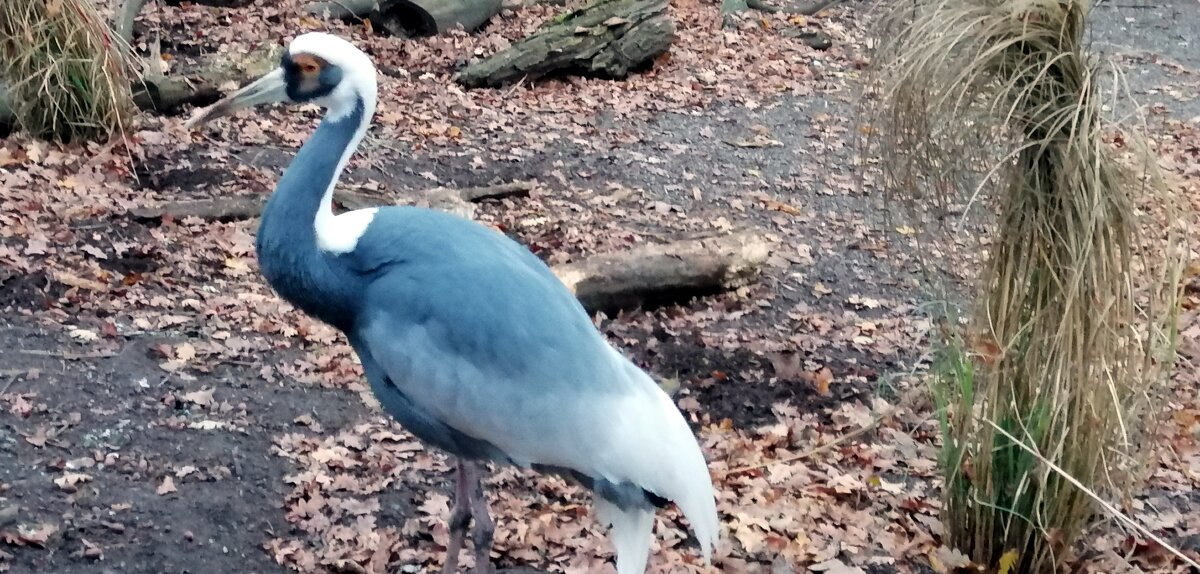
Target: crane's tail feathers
631 534
655 449
690 485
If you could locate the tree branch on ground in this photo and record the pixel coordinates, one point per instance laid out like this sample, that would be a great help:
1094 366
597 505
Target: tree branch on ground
670 272
236 208
408 18
607 39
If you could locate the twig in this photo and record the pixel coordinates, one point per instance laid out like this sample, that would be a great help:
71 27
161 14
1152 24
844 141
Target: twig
11 375
1120 516
235 208
510 91
69 356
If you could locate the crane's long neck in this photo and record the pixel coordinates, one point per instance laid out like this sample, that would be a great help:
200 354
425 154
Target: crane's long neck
289 252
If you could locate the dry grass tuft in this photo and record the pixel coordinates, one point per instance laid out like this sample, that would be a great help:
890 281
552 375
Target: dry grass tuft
996 102
66 77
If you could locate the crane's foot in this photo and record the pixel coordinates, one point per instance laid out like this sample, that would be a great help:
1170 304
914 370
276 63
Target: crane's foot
484 527
460 516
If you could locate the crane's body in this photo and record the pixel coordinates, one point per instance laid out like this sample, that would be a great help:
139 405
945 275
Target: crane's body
467 338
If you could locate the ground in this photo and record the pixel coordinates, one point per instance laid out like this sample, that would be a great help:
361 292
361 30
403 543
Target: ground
162 411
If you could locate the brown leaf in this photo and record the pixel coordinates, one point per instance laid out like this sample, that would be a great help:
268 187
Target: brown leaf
68 480
308 421
203 398
758 141
80 282
986 347
822 379
835 566
36 536
789 365
167 486
38 438
89 550
946 560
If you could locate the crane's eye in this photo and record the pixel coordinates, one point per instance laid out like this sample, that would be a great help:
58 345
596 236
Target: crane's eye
307 64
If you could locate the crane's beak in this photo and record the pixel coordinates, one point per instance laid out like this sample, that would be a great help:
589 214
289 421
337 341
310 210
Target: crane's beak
269 89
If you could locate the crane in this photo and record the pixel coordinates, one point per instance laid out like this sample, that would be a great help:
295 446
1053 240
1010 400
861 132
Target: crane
466 338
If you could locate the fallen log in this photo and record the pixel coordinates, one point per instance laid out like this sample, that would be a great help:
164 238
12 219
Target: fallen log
610 39
237 208
220 209
411 18
670 272
731 7
802 10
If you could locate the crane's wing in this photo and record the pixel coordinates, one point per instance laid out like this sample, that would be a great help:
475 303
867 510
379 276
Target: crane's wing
479 333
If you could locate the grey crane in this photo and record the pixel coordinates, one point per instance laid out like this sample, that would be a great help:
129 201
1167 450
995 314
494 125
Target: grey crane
466 337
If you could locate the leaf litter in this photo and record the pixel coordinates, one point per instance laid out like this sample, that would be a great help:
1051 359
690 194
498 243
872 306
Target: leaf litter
774 376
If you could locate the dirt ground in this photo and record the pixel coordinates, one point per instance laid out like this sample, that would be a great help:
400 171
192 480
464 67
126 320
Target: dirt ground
162 412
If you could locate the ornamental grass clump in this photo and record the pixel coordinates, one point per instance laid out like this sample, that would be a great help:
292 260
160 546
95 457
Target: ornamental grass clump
1046 386
64 73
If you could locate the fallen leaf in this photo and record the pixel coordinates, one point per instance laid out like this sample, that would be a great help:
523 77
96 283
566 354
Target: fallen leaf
822 379
789 366
80 282
203 398
758 141
38 536
38 438
84 335
308 421
167 486
946 560
835 566
68 481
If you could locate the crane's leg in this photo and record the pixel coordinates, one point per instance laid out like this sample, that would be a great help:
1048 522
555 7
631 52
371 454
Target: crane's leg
484 527
460 514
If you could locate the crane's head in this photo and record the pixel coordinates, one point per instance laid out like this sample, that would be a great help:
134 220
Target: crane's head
316 68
